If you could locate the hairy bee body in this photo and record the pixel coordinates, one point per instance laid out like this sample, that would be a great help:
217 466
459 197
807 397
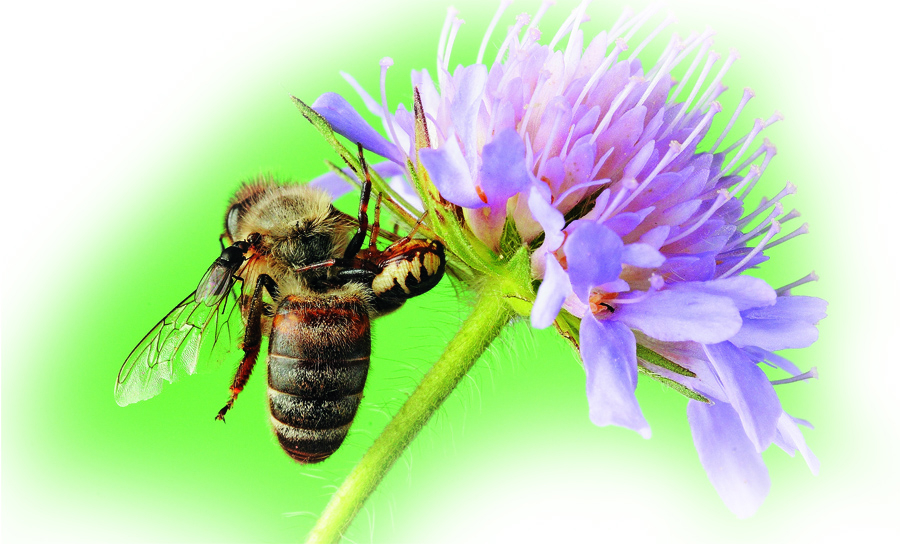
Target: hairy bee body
307 283
318 361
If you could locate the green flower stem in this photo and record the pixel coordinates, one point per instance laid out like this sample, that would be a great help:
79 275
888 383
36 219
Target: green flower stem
490 314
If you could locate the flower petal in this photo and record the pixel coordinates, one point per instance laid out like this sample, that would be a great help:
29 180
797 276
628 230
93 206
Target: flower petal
347 122
731 462
683 314
789 323
503 172
551 294
642 256
608 351
549 217
336 186
593 255
749 392
449 172
790 439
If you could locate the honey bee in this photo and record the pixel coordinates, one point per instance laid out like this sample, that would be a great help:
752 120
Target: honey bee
295 270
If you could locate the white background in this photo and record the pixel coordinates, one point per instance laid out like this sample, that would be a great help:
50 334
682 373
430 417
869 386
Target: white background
59 98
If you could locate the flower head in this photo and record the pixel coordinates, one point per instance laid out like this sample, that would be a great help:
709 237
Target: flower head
629 214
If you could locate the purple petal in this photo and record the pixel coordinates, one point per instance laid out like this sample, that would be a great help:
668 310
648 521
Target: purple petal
642 256
790 439
732 464
470 82
608 351
336 186
772 359
683 314
749 392
789 323
449 172
551 294
593 255
347 122
745 291
503 172
549 217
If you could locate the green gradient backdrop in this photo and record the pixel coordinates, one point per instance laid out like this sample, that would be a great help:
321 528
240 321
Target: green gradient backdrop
129 132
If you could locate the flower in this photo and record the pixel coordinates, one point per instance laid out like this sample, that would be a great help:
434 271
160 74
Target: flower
631 215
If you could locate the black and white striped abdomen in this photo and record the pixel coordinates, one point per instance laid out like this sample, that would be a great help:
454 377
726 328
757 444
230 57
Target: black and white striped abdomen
318 360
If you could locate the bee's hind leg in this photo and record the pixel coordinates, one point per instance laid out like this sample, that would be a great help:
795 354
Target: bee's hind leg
252 340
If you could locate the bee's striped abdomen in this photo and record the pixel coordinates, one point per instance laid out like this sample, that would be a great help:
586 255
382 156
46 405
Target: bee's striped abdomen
318 360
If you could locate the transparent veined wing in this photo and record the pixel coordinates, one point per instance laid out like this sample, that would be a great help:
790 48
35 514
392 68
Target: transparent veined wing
193 331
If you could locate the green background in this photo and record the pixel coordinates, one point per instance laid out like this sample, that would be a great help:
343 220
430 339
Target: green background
127 131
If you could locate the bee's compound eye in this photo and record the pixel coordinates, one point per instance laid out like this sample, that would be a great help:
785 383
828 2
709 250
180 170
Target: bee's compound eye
231 220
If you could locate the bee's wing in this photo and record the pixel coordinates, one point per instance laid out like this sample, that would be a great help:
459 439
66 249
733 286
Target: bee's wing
192 330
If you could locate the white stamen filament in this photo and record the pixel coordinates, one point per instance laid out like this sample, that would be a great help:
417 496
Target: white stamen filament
445 31
511 36
540 14
564 152
748 94
668 21
786 290
709 94
768 122
765 204
751 177
601 162
755 155
544 151
371 104
812 373
705 44
577 187
675 149
604 66
572 43
490 29
793 214
620 23
774 229
626 186
563 30
720 200
664 65
758 229
386 63
691 43
617 101
757 128
802 229
710 60
642 18
770 151
457 22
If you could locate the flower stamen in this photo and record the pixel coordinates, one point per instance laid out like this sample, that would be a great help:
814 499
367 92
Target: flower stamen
490 29
774 229
811 374
786 290
748 94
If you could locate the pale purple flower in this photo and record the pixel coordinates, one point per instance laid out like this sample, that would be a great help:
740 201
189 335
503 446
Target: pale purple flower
635 218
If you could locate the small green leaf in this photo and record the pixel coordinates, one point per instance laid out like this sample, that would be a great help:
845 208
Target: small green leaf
687 392
656 359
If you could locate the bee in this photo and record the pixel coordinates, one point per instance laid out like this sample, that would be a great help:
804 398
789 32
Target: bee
295 270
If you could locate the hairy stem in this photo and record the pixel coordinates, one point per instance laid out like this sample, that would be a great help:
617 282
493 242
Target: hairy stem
487 319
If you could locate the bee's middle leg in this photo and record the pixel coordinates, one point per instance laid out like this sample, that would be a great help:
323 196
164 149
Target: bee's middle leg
252 340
